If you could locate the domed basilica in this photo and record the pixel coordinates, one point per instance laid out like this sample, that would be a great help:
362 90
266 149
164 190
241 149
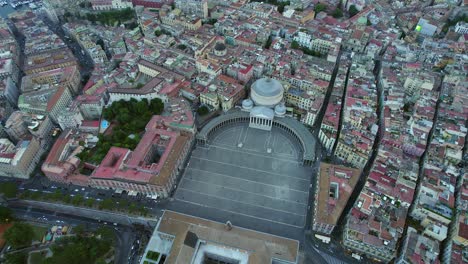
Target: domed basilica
265 102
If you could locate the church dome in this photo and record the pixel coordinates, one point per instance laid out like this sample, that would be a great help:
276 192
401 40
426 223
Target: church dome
267 92
247 104
280 110
220 49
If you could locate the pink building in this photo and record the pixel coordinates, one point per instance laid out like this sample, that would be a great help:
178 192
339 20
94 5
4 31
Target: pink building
245 73
62 163
150 169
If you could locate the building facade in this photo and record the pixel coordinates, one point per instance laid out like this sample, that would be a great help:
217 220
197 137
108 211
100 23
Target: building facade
195 7
19 161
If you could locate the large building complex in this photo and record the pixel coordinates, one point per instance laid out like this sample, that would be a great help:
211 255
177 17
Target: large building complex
66 76
180 238
49 60
333 189
150 169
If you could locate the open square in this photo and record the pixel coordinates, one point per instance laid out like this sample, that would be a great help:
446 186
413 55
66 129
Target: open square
253 178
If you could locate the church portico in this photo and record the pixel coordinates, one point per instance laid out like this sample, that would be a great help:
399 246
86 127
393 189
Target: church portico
261 118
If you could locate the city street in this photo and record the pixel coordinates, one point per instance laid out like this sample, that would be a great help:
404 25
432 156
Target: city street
42 184
86 213
85 61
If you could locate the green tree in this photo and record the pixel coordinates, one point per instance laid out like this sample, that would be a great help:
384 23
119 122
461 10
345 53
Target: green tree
353 10
79 230
203 110
210 21
78 250
108 114
319 7
106 233
66 199
157 33
294 45
106 204
280 9
77 199
19 235
5 214
131 25
9 189
57 195
166 32
141 107
157 106
337 13
101 261
124 118
16 258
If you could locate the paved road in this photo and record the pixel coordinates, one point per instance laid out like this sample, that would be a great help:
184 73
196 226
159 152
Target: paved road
318 253
86 213
43 184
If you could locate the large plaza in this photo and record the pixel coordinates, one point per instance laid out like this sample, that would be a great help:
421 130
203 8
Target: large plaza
251 177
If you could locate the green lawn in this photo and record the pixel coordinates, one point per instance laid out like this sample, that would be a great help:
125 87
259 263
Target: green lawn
36 258
39 232
152 255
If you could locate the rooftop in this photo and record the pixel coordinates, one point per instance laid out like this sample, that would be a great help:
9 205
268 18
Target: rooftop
267 87
260 247
152 161
32 82
335 185
48 58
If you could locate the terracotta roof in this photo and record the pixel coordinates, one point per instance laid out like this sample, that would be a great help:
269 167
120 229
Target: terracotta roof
55 98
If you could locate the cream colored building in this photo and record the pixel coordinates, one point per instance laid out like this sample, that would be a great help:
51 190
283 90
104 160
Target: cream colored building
327 138
59 102
350 155
19 161
211 99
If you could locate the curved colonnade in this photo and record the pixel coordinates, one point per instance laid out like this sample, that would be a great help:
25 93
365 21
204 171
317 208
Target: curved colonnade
287 124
